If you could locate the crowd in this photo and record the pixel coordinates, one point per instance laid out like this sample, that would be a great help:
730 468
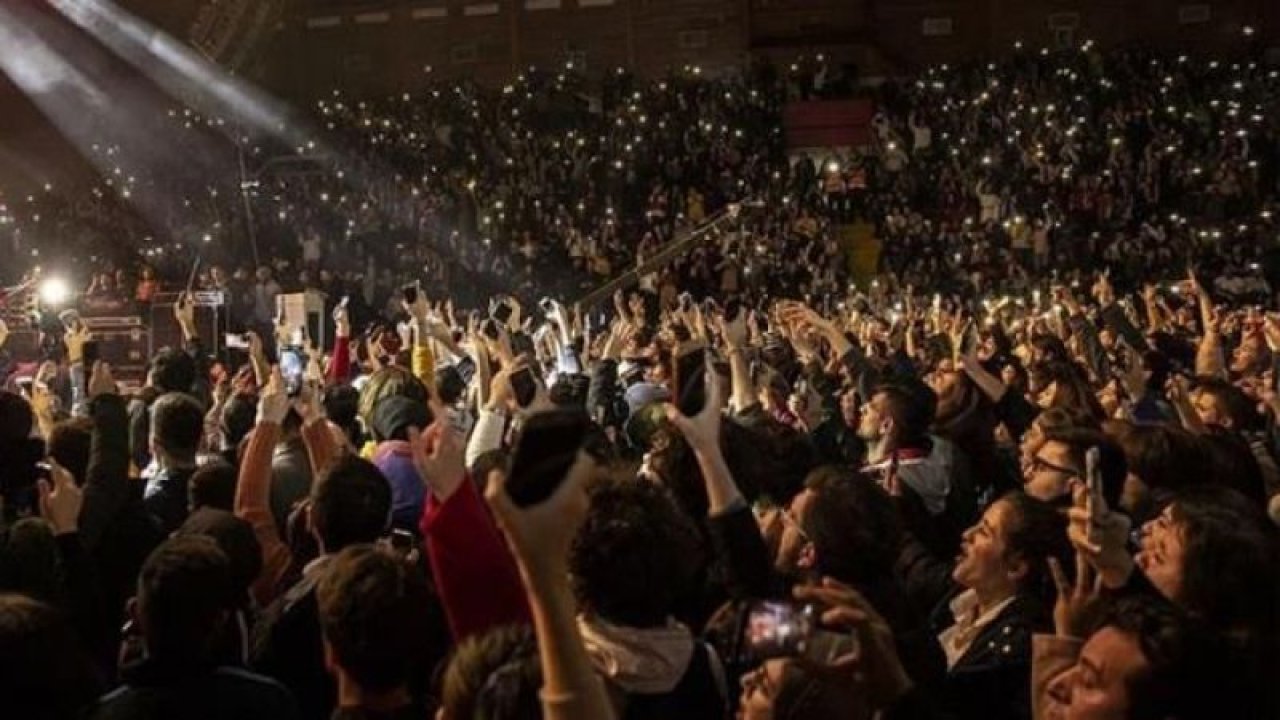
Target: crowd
1027 471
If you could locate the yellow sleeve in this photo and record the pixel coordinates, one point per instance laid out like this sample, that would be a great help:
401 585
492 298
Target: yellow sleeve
424 365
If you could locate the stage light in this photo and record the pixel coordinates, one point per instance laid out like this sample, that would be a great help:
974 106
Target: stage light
54 291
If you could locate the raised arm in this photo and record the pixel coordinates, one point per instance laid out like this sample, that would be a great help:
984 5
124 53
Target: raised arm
474 572
253 489
106 488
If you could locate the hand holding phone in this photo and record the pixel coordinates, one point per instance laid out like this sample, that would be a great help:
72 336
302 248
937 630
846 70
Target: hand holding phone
546 449
777 628
524 386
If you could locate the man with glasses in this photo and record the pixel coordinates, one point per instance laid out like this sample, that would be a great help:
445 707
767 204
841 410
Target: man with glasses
1048 473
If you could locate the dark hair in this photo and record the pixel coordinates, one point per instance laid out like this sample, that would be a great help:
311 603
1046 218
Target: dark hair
177 424
912 410
1230 573
635 555
69 444
185 590
342 406
373 612
172 371
1037 533
1073 390
853 525
213 486
807 691
1229 462
494 676
44 672
1111 459
350 503
1165 458
239 415
1187 672
1242 411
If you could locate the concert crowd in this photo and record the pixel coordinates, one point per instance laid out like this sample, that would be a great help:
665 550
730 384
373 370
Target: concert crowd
1021 463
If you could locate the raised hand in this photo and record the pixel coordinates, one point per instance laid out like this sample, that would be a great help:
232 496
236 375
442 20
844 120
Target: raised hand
100 380
439 454
60 499
1074 599
702 431
1099 536
273 402
875 661
542 534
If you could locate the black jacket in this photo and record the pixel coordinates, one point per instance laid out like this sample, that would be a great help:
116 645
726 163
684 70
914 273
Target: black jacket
992 680
287 647
164 690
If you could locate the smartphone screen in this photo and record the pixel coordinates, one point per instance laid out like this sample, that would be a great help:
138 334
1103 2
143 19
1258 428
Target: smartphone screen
544 452
410 293
524 386
235 341
292 367
777 629
691 382
466 368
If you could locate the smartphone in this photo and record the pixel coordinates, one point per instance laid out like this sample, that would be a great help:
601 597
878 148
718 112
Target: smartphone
293 365
691 382
91 353
524 386
501 312
490 329
409 291
545 450
1093 481
548 305
235 341
777 628
466 368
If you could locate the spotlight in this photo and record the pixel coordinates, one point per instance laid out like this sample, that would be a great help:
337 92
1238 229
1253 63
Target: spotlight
54 291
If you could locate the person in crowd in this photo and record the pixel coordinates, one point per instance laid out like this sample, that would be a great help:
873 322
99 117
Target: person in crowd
185 597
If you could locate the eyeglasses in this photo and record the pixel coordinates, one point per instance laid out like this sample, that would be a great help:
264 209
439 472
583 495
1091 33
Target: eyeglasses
794 522
1039 464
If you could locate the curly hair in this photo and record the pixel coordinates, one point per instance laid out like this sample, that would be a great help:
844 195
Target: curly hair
635 556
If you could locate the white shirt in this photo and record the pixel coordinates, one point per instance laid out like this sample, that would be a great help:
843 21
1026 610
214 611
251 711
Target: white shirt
956 639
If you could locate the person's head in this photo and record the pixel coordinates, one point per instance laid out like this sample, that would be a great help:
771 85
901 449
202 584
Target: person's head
1049 421
1224 405
45 673
172 371
373 617
635 554
1061 461
239 414
341 406
1007 552
842 525
495 676
896 417
790 689
1145 661
350 503
1063 385
1160 460
386 382
177 424
1251 356
68 443
1215 553
185 594
213 486
236 539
